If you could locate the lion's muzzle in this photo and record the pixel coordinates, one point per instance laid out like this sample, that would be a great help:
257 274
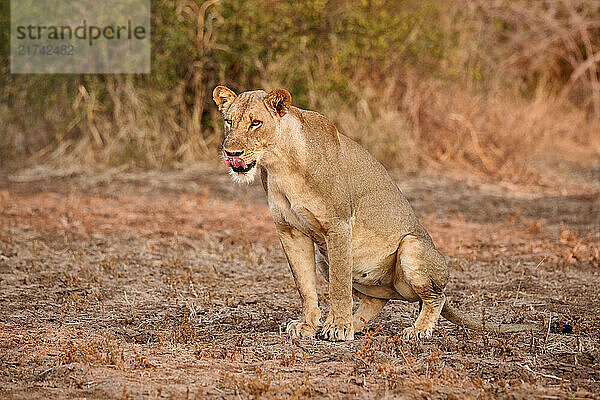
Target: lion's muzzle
238 164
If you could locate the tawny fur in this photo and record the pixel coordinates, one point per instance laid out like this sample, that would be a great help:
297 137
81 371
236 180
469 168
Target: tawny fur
337 210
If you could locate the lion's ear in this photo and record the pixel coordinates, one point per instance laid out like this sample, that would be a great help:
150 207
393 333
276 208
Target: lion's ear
223 97
278 101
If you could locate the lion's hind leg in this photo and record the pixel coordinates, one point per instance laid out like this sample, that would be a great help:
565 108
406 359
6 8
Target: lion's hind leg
423 268
368 309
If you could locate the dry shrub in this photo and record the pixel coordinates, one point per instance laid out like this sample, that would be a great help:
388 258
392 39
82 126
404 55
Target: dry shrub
412 124
553 44
149 121
500 102
134 125
508 137
508 90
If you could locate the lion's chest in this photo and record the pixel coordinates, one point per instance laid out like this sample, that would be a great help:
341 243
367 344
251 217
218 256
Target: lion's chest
286 209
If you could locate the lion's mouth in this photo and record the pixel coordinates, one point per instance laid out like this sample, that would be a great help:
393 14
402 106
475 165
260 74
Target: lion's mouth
238 164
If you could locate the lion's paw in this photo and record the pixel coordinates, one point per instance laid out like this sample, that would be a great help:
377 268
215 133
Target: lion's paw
414 333
299 329
337 332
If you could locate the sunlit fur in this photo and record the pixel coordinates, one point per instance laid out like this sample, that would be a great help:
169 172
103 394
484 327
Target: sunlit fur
244 177
337 210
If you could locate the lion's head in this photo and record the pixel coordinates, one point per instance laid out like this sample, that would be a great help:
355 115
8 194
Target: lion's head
251 127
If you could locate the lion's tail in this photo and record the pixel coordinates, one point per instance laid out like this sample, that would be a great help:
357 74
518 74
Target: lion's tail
457 317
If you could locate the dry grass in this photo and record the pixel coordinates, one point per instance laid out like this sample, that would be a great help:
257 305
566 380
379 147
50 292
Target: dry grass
130 127
511 93
553 45
418 125
409 124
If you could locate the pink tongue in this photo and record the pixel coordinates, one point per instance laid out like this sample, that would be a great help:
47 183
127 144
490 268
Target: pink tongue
235 162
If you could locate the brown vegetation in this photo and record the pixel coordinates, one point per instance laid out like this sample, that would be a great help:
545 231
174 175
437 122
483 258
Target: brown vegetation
507 90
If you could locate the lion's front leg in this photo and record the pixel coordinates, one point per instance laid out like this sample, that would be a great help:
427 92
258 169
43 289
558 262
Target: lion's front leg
300 252
339 326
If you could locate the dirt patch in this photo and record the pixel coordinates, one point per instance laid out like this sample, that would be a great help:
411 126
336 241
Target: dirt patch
174 285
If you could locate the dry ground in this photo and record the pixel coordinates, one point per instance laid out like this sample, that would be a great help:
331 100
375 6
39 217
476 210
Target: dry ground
173 285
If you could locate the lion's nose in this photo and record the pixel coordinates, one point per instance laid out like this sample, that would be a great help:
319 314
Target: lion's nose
233 153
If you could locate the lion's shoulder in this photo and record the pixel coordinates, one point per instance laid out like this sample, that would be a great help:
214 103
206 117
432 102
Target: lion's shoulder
313 122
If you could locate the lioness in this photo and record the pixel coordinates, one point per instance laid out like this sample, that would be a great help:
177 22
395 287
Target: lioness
336 209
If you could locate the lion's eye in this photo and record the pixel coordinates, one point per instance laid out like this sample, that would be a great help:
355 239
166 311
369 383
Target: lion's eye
256 123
